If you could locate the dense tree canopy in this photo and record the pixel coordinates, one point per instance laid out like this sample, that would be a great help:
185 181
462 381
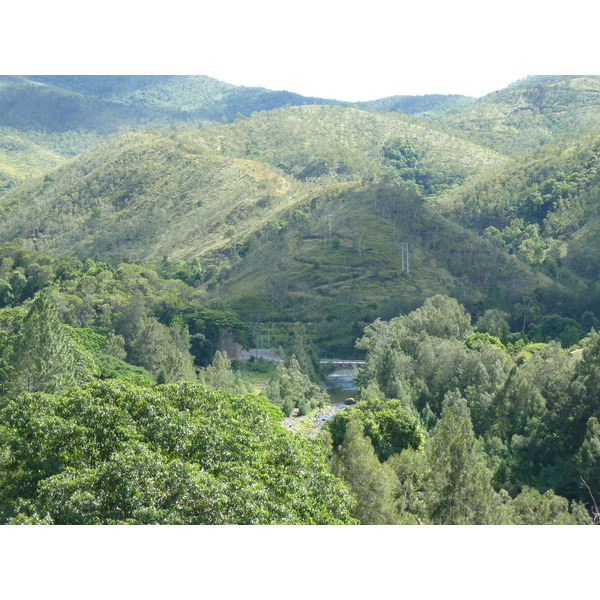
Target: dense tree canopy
178 454
473 434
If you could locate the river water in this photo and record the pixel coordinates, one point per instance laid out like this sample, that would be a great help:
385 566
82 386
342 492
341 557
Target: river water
340 386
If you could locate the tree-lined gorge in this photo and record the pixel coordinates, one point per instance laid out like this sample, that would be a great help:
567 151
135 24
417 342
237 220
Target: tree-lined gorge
153 226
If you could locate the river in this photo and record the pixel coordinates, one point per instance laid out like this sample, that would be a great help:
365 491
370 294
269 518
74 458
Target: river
340 386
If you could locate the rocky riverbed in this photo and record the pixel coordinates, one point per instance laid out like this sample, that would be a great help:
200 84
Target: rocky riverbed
340 386
310 425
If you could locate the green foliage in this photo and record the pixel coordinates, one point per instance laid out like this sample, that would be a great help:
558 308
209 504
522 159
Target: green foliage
370 482
331 143
123 312
585 401
458 486
241 209
531 507
495 323
21 158
220 375
304 352
554 327
542 209
291 389
112 453
588 459
410 467
389 427
44 356
295 218
440 317
407 360
526 421
162 350
476 340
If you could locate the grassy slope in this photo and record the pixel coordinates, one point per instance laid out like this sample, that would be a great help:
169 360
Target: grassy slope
339 281
21 158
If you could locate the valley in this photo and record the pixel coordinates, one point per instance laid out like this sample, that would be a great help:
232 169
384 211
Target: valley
152 227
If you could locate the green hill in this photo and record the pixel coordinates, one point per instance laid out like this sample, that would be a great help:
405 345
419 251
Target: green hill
30 105
141 196
106 104
179 97
184 192
299 213
334 143
336 263
66 114
531 112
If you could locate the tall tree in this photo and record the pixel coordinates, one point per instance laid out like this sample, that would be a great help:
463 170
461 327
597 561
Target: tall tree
44 357
291 388
458 488
163 350
371 483
220 376
440 316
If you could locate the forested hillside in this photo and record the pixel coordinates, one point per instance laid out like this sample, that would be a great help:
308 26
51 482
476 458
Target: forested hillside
543 209
119 198
250 170
297 214
64 114
44 119
151 224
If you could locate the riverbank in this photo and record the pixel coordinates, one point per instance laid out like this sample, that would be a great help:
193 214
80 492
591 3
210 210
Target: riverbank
309 425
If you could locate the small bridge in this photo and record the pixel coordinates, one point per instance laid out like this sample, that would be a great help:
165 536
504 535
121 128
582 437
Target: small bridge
338 362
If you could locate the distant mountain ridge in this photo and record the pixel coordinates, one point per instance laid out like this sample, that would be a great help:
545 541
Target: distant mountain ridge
430 105
62 115
49 117
531 112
